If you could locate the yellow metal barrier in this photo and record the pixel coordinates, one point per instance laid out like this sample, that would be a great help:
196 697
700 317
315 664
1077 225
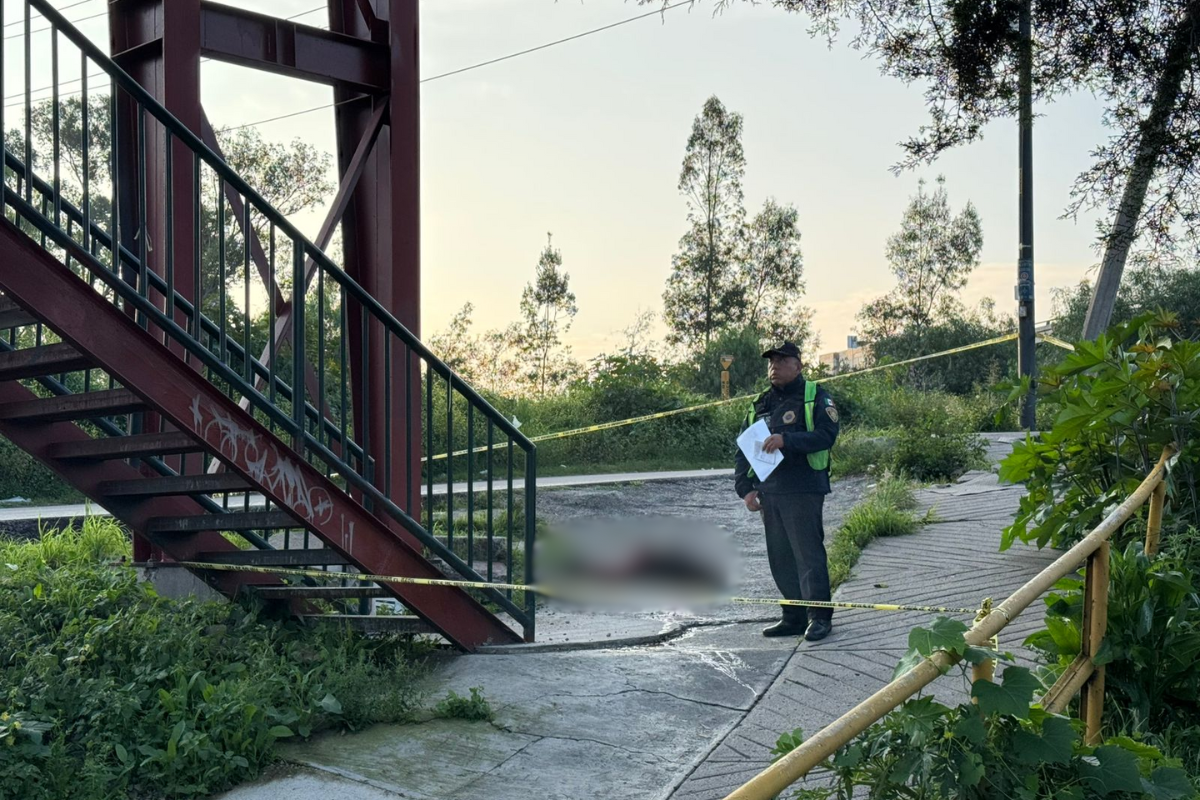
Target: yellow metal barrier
1083 676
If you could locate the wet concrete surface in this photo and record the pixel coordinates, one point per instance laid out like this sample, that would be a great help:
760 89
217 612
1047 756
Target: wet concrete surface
694 714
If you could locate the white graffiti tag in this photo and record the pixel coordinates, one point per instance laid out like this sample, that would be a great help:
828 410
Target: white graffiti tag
277 473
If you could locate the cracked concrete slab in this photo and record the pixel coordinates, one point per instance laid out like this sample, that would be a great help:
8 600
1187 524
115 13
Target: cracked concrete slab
695 714
433 759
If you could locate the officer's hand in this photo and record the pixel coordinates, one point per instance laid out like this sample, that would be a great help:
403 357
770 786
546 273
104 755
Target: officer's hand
752 503
773 443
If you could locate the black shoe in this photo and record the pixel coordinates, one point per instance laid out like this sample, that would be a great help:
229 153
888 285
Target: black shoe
818 629
785 628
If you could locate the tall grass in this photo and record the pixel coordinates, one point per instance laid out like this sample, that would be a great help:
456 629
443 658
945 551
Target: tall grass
109 690
889 510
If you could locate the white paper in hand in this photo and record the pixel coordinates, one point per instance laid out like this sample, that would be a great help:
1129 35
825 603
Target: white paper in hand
751 445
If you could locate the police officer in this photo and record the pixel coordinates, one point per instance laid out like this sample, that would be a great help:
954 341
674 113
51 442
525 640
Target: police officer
803 421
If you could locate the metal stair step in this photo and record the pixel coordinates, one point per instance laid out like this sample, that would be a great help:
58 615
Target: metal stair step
142 445
88 405
319 592
237 521
13 316
176 485
312 557
37 362
374 623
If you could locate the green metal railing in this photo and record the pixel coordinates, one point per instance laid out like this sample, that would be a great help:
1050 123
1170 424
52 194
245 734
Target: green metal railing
261 311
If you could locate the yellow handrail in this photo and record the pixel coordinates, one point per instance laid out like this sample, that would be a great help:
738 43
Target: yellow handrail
795 765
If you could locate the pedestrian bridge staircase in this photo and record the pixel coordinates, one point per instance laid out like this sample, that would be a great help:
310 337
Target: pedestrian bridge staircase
194 364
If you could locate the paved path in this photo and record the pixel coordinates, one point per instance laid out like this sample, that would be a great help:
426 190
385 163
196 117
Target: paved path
26 513
953 562
691 717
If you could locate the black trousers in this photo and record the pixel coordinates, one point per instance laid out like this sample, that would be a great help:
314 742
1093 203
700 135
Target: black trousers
795 529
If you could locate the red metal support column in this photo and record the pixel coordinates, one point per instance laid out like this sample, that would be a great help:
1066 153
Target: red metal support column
381 239
406 220
158 43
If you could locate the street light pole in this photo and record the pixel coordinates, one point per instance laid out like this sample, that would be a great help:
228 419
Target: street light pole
1026 334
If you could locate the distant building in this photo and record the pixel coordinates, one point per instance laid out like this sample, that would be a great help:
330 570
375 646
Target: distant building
852 358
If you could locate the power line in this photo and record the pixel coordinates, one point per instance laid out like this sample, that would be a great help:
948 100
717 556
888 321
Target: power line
293 114
556 42
458 71
51 27
480 64
101 73
64 8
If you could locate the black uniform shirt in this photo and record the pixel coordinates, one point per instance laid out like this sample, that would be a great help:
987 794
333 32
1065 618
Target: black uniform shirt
783 409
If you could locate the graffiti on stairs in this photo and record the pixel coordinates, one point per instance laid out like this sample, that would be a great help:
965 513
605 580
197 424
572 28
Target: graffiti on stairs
262 461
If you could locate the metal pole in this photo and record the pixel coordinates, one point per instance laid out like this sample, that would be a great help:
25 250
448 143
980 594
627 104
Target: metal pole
1026 339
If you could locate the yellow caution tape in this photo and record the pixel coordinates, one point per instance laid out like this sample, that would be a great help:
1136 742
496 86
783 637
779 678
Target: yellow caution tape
604 426
542 590
1045 337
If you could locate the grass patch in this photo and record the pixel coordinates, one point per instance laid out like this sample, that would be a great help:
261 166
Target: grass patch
862 452
670 464
108 690
454 706
889 510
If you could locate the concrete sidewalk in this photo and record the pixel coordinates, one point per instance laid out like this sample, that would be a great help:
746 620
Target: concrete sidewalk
693 716
30 513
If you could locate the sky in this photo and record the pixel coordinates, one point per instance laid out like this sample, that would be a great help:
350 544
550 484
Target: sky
585 140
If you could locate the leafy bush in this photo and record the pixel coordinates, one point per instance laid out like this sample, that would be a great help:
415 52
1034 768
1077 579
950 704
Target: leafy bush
886 511
934 452
859 452
119 691
475 708
1119 401
1153 638
24 476
959 374
999 746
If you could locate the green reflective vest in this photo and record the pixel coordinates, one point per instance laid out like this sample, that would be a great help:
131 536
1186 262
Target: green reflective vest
819 460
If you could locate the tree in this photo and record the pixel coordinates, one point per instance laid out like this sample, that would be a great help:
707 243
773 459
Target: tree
292 177
547 309
455 345
1142 60
703 293
932 255
1154 282
638 341
773 269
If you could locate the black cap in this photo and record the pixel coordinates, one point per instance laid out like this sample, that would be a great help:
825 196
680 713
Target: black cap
783 349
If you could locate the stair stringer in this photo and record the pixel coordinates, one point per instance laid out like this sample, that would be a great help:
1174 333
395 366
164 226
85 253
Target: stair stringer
76 312
85 476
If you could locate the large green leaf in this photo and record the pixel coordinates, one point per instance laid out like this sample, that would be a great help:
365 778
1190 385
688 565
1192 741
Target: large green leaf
970 769
1112 769
919 717
1009 698
1053 745
907 662
944 634
1169 783
971 728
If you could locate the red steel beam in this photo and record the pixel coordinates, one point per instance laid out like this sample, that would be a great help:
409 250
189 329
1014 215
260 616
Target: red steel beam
87 476
283 308
79 314
158 44
381 242
289 48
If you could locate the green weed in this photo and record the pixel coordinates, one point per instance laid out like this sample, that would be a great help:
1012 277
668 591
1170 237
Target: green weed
108 690
453 706
886 511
